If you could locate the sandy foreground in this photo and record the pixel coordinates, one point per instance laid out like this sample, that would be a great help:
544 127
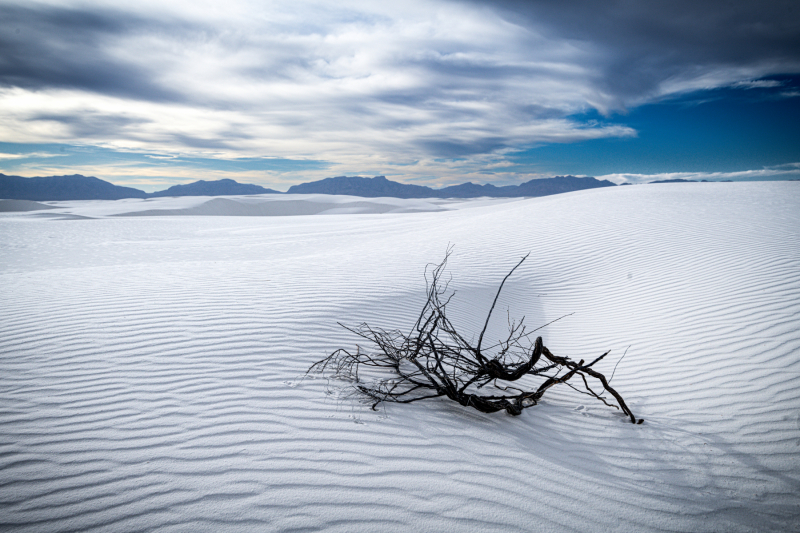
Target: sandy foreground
152 357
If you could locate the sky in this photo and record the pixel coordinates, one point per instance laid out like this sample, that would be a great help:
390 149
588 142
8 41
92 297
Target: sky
433 92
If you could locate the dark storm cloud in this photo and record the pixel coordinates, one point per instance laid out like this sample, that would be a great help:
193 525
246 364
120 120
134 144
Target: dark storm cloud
198 142
55 47
89 124
533 111
633 48
453 149
642 45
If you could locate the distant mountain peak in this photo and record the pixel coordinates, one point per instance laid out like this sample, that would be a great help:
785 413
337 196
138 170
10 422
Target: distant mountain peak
223 187
380 186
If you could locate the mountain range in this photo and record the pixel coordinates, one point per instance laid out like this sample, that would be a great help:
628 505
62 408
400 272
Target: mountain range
75 187
78 187
380 186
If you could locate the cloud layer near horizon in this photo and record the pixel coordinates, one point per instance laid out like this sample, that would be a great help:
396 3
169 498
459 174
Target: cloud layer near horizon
430 88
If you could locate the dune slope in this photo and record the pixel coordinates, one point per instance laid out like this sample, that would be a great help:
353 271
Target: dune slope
151 368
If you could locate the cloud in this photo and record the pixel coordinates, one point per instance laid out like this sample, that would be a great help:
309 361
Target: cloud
365 86
756 84
780 172
5 157
650 49
64 47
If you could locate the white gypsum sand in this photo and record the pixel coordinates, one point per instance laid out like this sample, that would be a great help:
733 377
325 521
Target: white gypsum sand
249 205
150 367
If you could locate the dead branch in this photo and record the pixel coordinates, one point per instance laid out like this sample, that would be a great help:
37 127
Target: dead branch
433 360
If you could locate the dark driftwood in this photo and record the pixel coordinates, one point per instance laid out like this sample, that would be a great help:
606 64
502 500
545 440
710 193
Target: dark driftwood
434 360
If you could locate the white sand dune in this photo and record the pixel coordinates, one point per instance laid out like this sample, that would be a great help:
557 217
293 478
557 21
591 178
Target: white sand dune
295 205
249 205
13 206
151 367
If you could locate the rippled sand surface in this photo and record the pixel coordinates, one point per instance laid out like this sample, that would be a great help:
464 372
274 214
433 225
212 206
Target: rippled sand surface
151 366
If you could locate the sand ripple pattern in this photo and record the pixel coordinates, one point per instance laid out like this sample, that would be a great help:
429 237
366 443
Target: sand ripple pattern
150 369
